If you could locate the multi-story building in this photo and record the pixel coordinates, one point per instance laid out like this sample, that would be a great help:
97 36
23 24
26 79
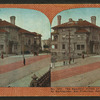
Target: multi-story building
74 37
14 39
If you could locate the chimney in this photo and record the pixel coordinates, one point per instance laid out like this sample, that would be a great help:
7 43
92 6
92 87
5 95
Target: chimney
93 20
70 19
12 19
59 19
80 19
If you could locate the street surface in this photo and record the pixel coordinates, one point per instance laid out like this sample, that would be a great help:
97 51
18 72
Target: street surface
82 72
12 69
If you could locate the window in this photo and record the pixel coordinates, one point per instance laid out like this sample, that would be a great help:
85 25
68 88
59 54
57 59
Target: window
63 30
52 37
63 46
15 47
82 47
55 37
55 46
78 47
34 42
1 46
55 53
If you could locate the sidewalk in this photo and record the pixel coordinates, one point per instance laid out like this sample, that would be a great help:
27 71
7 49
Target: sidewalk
77 62
71 74
11 73
19 64
16 58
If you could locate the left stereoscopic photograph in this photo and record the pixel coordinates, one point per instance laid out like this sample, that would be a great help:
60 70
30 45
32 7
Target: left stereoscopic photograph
24 48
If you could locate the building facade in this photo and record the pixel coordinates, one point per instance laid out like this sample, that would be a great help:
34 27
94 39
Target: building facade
15 40
75 37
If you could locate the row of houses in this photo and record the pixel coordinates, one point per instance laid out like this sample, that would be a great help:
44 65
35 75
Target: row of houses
75 37
15 40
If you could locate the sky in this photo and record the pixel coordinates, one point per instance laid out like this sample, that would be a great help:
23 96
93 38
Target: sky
31 20
75 14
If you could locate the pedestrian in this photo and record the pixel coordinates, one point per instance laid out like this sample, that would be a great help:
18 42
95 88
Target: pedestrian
34 53
83 56
64 59
2 56
64 62
24 62
37 53
70 59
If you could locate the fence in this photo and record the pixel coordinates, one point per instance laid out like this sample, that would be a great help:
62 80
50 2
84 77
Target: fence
43 81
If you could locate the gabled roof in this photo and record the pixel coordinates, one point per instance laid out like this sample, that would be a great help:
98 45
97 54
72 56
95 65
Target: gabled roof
76 24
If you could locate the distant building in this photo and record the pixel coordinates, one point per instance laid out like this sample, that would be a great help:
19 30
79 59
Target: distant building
46 44
14 39
74 37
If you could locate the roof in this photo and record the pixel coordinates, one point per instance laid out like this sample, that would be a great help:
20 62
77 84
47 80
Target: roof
34 33
2 30
24 31
37 34
5 23
82 31
76 24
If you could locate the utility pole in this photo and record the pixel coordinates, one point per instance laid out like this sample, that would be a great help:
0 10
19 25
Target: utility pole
69 46
69 43
23 46
87 44
6 41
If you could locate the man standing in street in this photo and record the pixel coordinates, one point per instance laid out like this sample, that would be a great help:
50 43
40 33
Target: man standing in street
2 55
24 62
83 56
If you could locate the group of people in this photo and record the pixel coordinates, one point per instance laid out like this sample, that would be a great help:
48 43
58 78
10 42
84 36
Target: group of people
53 60
70 60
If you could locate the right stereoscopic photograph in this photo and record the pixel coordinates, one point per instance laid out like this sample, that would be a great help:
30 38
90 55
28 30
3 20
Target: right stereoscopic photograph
75 48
